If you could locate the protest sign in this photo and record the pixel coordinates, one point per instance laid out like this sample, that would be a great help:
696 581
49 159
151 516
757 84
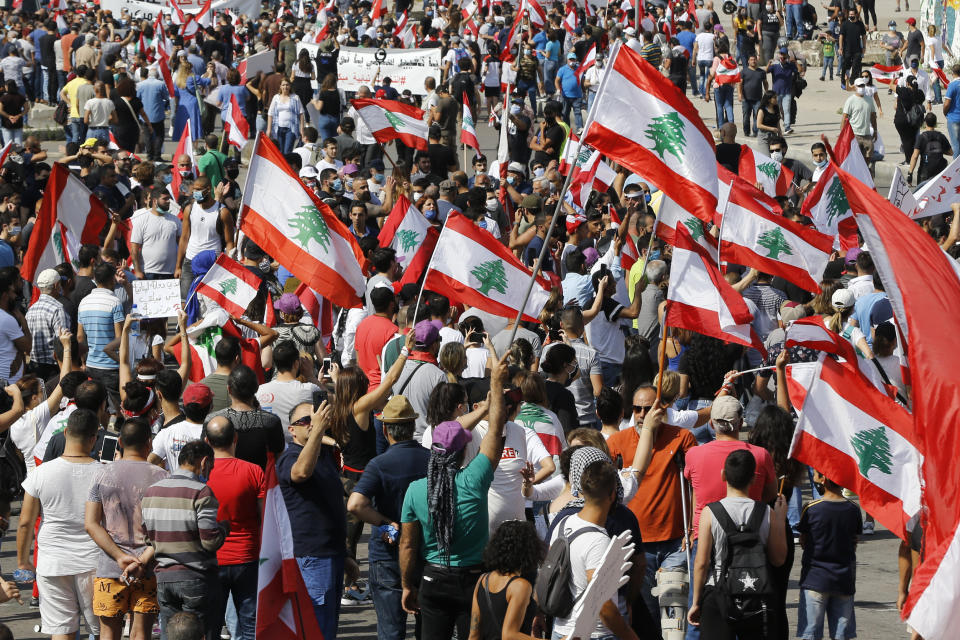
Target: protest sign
262 61
141 9
157 298
406 68
608 577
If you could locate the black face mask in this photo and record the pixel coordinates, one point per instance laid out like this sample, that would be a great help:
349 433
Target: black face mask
233 173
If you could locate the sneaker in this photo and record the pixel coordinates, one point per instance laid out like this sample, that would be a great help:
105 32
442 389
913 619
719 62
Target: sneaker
354 595
35 602
843 86
789 131
868 528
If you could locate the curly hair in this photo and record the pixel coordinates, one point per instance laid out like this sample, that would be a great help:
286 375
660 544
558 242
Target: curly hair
443 402
707 362
516 548
774 431
520 353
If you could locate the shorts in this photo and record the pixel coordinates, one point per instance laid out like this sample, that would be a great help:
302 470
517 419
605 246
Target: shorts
838 609
491 92
63 599
112 598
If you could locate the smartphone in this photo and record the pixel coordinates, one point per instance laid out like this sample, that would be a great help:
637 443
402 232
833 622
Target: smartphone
109 448
325 369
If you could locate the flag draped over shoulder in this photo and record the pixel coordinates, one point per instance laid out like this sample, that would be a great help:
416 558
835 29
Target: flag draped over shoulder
645 123
290 223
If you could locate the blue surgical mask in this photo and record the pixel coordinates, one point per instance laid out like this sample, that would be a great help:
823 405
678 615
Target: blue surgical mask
429 214
337 185
380 178
821 164
646 197
198 196
511 180
654 255
167 178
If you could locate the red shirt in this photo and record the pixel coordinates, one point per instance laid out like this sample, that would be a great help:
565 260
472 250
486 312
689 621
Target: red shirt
238 485
704 464
373 333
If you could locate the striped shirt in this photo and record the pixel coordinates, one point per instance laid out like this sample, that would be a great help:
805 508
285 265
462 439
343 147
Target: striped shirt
45 318
97 314
652 53
180 523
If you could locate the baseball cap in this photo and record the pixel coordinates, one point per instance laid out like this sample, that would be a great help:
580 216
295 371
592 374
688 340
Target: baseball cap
590 256
349 169
852 254
516 167
784 50
859 82
571 56
842 299
198 393
726 409
892 24
48 278
531 201
287 303
450 436
912 21
398 409
89 143
630 31
426 333
308 171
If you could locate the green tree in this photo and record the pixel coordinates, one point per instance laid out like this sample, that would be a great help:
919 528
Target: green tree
775 244
310 225
467 121
208 339
394 121
666 134
491 275
873 451
582 157
228 286
408 239
695 226
769 169
837 203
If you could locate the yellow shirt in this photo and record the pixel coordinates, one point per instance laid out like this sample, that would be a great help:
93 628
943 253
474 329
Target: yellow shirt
69 95
636 271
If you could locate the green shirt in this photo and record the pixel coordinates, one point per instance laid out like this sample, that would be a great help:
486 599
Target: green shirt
470 529
211 165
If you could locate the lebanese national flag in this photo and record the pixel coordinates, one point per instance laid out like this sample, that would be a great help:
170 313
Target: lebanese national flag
470 266
702 301
572 20
237 128
923 285
645 123
59 5
862 440
537 16
401 24
753 236
886 75
938 72
513 38
848 155
161 41
319 308
812 333
294 226
237 41
163 65
827 206
468 132
376 12
939 193
392 120
629 254
62 25
184 147
589 173
5 151
589 60
756 168
672 216
203 338
230 285
411 235
69 216
284 608
728 72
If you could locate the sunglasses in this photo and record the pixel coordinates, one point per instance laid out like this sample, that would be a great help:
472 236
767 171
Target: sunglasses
642 408
301 422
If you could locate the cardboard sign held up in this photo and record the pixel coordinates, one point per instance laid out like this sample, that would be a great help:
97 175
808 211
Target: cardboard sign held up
157 298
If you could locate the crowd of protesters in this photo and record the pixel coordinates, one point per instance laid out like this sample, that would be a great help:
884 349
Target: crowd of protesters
452 443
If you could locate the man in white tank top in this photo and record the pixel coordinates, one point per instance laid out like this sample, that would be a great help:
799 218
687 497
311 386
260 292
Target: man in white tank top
200 229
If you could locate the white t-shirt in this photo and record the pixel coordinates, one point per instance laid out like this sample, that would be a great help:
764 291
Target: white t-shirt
586 554
203 229
449 334
9 331
168 443
476 362
99 110
157 237
279 397
62 488
705 50
55 425
27 430
323 163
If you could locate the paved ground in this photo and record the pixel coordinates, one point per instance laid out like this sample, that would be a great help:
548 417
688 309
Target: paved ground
877 555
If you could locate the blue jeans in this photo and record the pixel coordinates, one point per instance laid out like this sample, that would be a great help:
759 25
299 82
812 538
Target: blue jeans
723 96
750 109
785 100
324 580
693 633
591 95
191 596
827 64
102 134
286 139
326 127
529 90
692 76
575 104
794 21
703 433
953 131
13 135
75 130
667 554
703 67
836 607
610 372
385 585
240 581
549 76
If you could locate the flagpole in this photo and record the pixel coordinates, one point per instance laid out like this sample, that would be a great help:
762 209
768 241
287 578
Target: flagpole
566 185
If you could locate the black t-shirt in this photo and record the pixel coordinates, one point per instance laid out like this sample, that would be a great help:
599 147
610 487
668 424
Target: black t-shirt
851 33
258 432
209 46
326 63
752 83
442 157
517 140
728 155
933 147
13 104
769 22
47 56
829 559
331 104
82 287
914 42
553 136
560 401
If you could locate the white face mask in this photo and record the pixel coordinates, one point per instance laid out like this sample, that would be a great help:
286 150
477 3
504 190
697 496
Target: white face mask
492 204
776 156
770 7
417 195
860 91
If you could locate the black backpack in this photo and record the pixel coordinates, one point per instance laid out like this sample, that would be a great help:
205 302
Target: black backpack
13 471
745 585
555 583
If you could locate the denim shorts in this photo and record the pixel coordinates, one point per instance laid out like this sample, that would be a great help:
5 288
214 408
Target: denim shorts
838 609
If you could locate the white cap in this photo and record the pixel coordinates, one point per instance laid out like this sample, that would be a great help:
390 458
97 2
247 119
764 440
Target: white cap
308 171
860 82
842 299
47 278
630 31
517 167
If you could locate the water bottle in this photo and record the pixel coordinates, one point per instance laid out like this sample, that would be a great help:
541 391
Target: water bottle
135 325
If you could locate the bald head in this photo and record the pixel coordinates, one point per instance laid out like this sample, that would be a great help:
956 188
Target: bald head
221 435
728 132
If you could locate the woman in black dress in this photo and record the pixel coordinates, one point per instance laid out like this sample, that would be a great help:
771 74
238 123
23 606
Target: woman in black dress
908 97
129 110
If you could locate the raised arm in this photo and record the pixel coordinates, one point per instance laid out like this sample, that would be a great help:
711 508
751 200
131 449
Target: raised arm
492 443
375 399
